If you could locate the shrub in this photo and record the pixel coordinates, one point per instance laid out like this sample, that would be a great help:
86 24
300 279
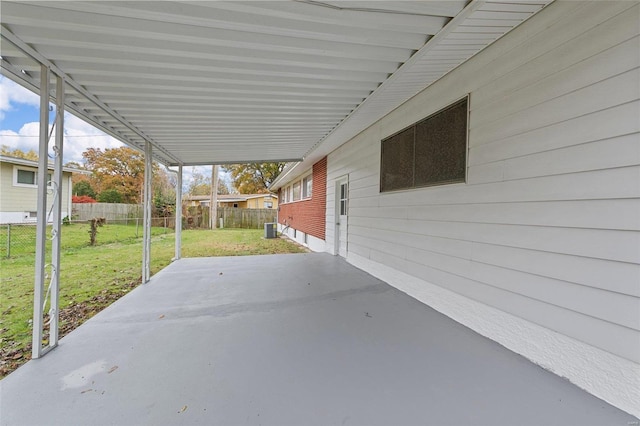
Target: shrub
82 199
83 188
110 196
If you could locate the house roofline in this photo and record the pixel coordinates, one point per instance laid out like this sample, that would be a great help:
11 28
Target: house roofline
34 164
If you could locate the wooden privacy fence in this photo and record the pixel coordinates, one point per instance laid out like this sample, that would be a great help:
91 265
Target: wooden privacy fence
193 217
197 217
246 218
110 211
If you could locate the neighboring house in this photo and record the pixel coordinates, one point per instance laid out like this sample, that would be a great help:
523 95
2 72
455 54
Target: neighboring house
241 201
18 190
505 195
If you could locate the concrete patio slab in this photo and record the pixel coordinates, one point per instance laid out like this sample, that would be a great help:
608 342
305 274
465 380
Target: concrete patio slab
301 339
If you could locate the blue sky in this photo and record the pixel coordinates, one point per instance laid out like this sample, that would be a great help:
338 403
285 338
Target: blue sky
19 127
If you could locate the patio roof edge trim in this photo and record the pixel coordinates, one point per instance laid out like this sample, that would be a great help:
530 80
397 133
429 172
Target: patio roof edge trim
449 27
220 163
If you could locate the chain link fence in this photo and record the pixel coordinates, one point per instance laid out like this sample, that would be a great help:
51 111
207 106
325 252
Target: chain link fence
19 239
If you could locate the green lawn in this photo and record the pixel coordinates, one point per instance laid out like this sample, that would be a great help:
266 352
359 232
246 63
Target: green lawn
95 276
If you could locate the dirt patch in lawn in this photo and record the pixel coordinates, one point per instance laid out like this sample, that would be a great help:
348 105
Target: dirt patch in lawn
13 355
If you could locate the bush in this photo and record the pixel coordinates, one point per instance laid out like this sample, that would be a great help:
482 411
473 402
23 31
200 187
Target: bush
84 188
82 199
110 196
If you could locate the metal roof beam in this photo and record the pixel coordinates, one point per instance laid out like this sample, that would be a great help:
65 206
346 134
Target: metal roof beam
28 50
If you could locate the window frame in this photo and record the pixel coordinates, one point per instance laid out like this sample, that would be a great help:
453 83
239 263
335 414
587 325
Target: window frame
17 168
299 190
305 184
414 127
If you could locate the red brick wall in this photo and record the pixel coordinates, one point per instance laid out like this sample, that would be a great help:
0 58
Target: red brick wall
308 216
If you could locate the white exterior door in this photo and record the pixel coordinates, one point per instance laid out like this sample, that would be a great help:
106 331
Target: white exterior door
342 209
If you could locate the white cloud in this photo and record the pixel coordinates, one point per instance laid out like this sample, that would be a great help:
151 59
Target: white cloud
25 139
12 93
79 136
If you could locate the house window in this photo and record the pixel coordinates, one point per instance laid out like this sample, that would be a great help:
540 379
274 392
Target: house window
307 186
26 177
235 205
296 191
430 152
268 205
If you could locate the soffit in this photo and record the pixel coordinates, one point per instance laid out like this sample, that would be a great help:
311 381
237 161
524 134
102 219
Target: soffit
224 82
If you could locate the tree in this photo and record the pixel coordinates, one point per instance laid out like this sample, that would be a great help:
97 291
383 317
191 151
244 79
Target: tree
253 178
120 169
223 188
18 153
83 188
110 196
201 184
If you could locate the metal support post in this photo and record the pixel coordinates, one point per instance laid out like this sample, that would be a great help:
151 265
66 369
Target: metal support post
146 221
213 202
178 226
57 215
41 224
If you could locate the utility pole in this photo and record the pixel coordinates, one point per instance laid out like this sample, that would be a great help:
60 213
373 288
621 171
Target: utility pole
213 200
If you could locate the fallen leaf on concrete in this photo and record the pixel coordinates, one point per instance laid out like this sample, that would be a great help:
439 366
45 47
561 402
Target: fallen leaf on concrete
220 273
85 391
161 316
183 409
112 369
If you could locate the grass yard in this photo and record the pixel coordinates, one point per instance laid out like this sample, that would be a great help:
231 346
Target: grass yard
93 277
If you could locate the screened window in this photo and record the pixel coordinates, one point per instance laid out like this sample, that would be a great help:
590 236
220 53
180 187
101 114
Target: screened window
296 191
430 152
307 187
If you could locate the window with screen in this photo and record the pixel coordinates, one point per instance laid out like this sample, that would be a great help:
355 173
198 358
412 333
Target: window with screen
432 151
296 191
307 186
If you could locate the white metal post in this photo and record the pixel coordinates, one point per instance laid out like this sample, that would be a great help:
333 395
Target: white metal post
213 202
178 225
57 215
41 224
146 222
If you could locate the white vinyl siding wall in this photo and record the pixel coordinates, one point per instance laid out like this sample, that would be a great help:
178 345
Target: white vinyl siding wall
21 199
547 227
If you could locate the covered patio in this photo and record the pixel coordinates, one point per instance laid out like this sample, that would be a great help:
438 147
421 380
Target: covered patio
285 340
310 339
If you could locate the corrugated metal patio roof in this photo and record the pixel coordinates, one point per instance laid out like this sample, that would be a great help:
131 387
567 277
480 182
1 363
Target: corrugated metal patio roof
221 82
